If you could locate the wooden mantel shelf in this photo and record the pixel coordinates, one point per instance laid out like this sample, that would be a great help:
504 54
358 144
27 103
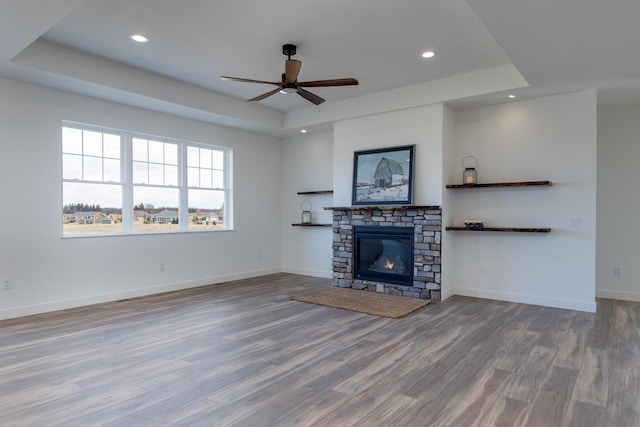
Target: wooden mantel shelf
316 192
381 208
502 229
503 184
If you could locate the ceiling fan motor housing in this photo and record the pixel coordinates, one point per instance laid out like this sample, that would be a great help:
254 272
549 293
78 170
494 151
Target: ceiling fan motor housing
289 50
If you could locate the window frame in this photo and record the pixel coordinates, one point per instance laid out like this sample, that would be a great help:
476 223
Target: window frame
127 185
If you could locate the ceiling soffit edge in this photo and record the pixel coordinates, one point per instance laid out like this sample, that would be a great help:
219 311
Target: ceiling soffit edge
475 83
196 102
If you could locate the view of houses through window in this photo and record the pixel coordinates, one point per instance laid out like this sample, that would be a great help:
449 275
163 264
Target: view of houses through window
117 182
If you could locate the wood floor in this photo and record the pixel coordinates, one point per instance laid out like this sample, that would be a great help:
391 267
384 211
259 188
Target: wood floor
244 354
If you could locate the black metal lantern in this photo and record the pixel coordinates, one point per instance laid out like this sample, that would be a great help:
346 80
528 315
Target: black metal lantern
470 174
306 212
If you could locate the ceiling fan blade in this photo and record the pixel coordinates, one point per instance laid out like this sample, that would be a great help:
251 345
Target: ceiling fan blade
310 96
238 79
291 70
332 82
266 95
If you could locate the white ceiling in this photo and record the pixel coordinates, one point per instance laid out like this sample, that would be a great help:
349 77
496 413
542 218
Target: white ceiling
543 46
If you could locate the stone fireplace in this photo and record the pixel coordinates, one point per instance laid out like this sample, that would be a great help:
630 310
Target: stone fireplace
390 249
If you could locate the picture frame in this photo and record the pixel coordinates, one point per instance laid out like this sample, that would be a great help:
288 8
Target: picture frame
383 176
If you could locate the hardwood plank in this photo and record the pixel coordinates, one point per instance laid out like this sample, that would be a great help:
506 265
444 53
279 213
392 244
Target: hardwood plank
622 404
366 377
625 349
551 404
603 324
529 377
478 401
515 353
392 412
572 347
556 327
318 413
585 415
593 379
242 353
74 409
505 413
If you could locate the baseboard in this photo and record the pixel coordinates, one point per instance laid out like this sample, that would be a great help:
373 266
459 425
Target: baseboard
29 310
527 299
446 294
306 272
624 296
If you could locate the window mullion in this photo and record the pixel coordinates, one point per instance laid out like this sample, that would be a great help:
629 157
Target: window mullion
102 156
228 189
127 186
183 210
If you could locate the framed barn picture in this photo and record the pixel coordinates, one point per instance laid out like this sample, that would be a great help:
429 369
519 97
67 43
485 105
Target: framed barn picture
383 176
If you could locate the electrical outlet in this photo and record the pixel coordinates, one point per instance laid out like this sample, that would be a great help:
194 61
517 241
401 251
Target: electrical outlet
162 266
575 222
6 283
260 255
483 271
617 271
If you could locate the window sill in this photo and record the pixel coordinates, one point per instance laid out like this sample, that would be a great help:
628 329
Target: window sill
147 233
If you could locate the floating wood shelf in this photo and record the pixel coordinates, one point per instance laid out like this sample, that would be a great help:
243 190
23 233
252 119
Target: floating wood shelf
381 208
312 225
503 184
316 192
502 229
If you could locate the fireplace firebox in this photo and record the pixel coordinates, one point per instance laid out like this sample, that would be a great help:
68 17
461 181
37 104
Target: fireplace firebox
384 254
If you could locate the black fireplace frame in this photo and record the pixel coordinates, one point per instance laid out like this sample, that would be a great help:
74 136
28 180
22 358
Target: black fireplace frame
382 232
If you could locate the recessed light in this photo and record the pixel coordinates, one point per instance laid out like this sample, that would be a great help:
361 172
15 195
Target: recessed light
511 96
139 38
303 131
428 54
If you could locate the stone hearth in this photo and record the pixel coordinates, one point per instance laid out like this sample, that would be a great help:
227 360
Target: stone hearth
427 225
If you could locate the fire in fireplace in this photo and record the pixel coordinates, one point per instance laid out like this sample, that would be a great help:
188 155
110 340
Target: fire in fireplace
384 254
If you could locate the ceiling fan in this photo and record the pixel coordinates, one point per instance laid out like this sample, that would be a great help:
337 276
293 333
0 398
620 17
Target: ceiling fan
290 83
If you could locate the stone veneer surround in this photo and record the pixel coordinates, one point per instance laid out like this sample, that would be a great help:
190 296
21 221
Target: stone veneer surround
427 224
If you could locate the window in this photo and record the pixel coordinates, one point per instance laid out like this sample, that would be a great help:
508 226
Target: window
155 185
119 182
206 181
92 181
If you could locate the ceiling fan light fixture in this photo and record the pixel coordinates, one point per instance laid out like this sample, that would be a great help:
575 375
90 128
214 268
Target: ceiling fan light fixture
288 90
139 38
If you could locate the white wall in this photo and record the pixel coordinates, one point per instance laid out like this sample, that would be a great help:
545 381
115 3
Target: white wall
421 126
618 203
307 165
448 258
551 138
49 272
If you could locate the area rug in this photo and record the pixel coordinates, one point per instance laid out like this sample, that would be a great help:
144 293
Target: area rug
363 301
